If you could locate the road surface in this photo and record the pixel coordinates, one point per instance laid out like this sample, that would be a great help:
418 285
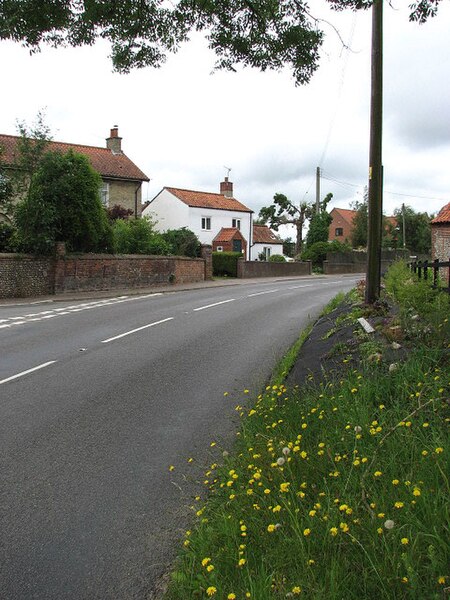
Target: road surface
98 398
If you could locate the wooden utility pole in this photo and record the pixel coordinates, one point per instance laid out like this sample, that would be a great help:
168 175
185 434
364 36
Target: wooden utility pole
317 190
373 275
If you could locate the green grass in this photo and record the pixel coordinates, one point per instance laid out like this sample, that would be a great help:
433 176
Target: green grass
334 491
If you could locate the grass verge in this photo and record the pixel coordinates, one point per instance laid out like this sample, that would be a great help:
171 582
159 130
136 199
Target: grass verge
339 490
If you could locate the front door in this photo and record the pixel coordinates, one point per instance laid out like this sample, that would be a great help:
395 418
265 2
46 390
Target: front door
237 245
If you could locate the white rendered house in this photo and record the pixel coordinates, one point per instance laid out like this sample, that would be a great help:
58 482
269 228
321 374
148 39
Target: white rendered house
265 242
204 213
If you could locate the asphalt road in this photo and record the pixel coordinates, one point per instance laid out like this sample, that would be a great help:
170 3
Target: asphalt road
98 398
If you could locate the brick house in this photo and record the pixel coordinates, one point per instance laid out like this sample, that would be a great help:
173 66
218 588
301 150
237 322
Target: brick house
440 238
342 224
122 179
204 213
265 242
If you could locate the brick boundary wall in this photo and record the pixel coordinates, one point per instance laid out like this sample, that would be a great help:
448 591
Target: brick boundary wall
338 263
23 276
249 269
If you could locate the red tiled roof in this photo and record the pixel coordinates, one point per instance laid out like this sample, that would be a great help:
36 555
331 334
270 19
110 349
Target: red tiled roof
443 215
208 200
104 161
347 214
263 235
226 234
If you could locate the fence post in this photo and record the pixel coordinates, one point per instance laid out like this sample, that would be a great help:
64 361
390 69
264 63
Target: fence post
435 271
419 269
425 270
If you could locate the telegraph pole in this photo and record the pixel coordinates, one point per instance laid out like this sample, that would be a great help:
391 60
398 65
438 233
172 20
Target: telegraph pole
373 275
317 190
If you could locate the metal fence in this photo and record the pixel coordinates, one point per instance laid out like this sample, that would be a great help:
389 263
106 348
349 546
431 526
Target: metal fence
423 269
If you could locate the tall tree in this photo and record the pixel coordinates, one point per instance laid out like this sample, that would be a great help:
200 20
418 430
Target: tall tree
63 204
284 212
268 34
319 223
15 177
417 229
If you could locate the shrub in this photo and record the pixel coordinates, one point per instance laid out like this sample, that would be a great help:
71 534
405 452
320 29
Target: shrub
137 236
317 252
118 212
225 263
277 258
7 232
183 242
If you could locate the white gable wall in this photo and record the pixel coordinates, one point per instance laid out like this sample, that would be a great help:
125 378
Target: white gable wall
168 211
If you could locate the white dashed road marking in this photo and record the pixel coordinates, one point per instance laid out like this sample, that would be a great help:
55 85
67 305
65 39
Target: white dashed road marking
50 362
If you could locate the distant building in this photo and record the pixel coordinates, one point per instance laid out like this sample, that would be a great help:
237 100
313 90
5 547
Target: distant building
265 242
342 224
121 178
207 214
440 237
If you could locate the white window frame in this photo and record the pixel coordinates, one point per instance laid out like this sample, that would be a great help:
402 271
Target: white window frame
206 223
219 249
267 251
236 224
104 193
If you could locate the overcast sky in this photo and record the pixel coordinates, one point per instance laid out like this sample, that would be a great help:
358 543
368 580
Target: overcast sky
182 125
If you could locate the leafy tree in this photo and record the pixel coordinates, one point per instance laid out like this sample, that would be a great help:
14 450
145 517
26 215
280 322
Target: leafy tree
15 178
6 192
63 204
284 212
319 223
360 221
289 247
417 229
268 34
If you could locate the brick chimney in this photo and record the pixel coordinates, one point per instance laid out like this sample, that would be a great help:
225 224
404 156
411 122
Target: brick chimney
226 188
114 142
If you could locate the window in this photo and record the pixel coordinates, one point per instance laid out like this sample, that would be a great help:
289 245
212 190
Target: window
206 223
219 249
266 252
338 231
104 193
236 223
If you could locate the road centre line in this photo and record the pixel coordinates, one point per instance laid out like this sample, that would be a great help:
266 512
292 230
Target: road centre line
261 293
215 304
295 287
50 362
135 330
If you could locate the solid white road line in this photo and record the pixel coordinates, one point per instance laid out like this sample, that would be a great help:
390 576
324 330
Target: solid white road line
215 304
261 293
135 330
50 362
